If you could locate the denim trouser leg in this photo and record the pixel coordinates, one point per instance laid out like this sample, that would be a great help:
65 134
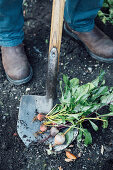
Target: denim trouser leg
11 22
80 14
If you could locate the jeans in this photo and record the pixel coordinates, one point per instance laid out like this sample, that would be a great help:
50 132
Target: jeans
79 14
11 23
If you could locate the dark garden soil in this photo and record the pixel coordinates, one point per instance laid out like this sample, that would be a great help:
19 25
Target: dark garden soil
75 62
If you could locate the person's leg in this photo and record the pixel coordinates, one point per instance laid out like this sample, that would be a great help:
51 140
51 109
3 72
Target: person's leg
11 23
14 59
79 24
80 14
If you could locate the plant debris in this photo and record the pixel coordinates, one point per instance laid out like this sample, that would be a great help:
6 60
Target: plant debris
60 168
68 160
70 155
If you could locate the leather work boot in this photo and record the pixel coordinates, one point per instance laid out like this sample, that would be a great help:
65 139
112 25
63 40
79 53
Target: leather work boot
99 45
16 65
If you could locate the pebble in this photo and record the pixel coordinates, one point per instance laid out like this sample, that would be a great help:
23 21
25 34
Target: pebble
27 89
4 117
102 149
84 74
79 155
90 69
3 125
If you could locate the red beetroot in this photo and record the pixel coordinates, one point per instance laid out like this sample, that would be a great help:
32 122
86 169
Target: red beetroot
43 128
40 116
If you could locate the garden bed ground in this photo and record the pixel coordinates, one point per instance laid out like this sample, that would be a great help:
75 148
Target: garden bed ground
75 62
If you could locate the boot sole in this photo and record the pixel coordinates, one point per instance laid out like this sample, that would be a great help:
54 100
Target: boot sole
101 59
23 81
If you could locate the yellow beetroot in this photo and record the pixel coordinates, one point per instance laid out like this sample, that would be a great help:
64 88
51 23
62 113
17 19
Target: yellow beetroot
54 131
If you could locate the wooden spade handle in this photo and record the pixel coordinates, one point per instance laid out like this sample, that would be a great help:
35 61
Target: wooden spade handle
56 24
54 47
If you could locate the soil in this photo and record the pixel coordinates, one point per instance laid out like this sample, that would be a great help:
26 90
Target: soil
75 62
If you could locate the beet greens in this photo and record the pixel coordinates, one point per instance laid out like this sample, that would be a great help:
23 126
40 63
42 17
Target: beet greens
80 103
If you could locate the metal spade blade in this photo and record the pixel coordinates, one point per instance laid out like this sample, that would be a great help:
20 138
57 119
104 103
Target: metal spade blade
43 104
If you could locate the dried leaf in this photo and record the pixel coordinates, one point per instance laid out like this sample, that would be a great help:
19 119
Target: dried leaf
60 168
70 155
68 160
71 146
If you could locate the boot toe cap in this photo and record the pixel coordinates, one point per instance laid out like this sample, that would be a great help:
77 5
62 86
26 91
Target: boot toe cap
21 77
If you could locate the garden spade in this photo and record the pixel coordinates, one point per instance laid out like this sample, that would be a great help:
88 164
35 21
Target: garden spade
31 104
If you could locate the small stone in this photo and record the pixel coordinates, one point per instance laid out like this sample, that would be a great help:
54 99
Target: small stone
84 74
90 69
4 117
3 125
102 149
28 89
79 155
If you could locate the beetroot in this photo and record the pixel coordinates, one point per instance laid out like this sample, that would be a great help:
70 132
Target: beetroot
54 131
40 116
43 128
59 139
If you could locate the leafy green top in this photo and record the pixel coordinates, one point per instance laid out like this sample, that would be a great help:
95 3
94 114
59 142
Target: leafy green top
78 103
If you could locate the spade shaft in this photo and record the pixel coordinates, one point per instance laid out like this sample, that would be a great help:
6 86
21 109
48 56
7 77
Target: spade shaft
54 47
